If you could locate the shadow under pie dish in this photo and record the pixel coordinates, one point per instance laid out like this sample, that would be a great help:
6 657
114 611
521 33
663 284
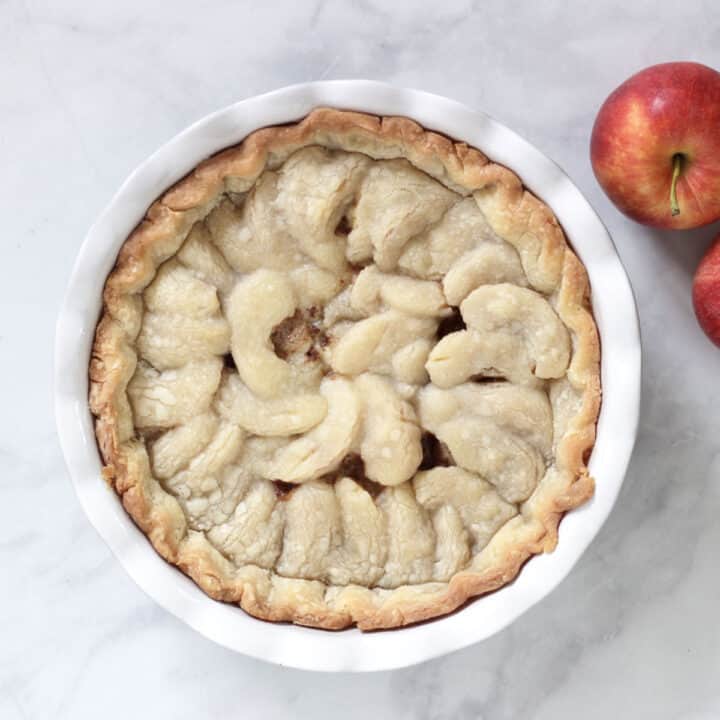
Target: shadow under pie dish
347 373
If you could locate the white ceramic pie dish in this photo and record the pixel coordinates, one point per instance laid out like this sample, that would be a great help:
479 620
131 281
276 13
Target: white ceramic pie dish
348 650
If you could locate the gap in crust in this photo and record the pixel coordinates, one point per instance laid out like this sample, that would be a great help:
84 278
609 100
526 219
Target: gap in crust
347 374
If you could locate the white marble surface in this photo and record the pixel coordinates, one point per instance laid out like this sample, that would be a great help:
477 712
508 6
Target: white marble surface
88 90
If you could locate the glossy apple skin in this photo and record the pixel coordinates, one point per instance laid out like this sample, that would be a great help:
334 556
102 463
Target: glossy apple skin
706 292
663 110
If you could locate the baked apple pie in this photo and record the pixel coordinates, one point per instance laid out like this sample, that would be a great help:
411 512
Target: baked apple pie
347 374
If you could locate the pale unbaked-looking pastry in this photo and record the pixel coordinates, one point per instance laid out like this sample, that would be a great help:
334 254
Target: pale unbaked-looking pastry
347 373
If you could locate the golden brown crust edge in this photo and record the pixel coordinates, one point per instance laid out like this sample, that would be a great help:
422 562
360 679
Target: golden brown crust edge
513 212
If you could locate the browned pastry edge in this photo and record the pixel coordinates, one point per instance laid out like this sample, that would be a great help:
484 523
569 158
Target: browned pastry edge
513 212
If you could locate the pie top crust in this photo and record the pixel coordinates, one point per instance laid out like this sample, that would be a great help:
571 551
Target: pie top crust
347 373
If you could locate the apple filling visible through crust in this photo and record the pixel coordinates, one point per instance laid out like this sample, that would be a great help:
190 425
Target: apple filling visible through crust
347 374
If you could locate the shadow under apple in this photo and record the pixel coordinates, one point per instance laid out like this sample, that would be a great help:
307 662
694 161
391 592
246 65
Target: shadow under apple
684 247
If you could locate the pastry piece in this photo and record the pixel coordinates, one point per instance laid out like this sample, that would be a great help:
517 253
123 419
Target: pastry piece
347 374
372 343
512 332
373 289
396 202
168 398
320 451
390 444
500 431
283 416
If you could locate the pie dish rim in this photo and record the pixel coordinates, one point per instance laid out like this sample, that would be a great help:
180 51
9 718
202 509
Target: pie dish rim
317 94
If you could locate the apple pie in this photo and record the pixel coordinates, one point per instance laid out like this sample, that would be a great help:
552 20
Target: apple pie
347 373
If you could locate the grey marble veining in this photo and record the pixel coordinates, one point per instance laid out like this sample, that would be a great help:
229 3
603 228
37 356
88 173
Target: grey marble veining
88 90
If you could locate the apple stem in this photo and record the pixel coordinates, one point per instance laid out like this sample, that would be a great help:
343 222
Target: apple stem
677 169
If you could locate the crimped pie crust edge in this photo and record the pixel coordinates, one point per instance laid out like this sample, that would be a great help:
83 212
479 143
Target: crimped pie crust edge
510 209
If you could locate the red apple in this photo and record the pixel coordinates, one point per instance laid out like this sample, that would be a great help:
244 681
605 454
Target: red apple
706 292
655 146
